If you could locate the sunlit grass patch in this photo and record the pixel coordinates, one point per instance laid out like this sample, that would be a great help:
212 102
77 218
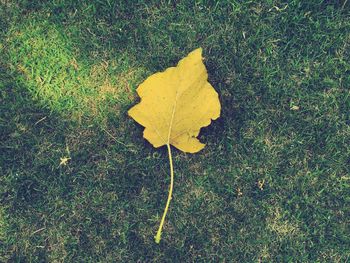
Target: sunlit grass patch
62 79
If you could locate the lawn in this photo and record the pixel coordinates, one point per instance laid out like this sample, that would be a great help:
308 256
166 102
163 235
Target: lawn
272 183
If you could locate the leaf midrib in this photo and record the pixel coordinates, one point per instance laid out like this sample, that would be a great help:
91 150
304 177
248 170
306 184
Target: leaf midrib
172 117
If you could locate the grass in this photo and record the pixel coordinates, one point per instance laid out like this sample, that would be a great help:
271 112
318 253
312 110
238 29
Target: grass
272 183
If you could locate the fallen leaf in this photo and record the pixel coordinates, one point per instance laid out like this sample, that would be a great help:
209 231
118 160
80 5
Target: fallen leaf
175 105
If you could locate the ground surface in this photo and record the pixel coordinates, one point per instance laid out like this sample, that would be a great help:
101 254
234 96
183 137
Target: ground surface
272 183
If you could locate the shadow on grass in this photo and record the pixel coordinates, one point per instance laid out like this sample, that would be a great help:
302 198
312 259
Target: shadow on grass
49 210
25 128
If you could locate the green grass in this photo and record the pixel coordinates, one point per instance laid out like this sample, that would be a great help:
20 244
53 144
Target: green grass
272 183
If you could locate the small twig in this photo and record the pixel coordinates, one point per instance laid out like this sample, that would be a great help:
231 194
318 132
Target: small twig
36 231
278 9
342 7
40 120
116 140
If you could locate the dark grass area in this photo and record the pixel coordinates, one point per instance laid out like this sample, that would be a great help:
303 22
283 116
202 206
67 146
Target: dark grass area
272 183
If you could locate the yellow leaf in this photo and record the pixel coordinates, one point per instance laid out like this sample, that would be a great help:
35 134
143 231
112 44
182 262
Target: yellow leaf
176 104
64 160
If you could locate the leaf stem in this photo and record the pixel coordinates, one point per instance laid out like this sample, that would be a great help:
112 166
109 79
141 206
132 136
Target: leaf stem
159 232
